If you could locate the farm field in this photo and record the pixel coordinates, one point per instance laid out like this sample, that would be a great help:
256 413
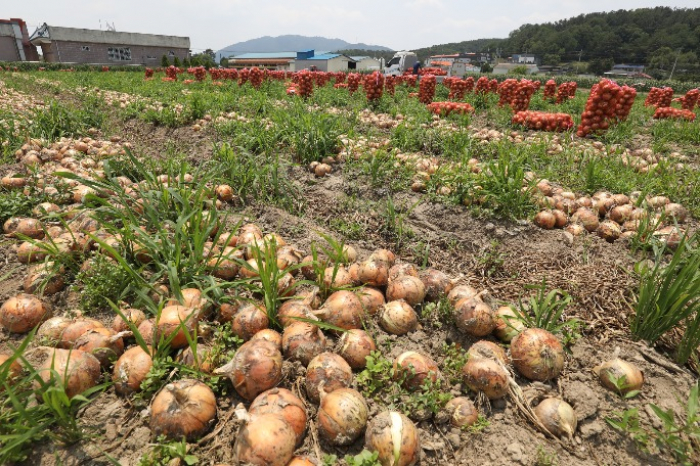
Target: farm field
204 211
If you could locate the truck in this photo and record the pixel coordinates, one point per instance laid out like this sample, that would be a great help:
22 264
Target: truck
400 62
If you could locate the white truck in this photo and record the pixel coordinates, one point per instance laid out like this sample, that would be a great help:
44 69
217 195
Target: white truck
400 62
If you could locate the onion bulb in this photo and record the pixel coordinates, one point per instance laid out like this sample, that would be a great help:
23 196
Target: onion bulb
395 438
76 329
44 279
268 440
620 376
383 255
437 284
175 322
284 403
78 371
537 354
134 316
185 408
50 332
474 317
488 350
413 369
336 277
342 416
462 411
507 324
399 270
461 292
373 272
22 313
398 318
290 310
256 367
557 416
407 287
203 359
269 335
354 346
327 371
302 341
486 375
130 370
372 299
103 343
249 320
545 219
342 309
14 369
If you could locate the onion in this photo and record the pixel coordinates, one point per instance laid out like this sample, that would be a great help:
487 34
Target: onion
13 371
224 193
291 309
676 212
78 371
336 277
266 441
575 229
103 343
383 255
507 324
587 218
354 346
130 370
76 329
557 416
288 256
609 231
349 254
17 227
462 411
134 316
545 219
395 438
284 403
249 320
50 332
269 335
329 371
474 317
22 313
148 332
628 376
342 416
373 272
399 270
204 360
371 299
302 341
28 253
256 367
398 318
407 287
461 292
185 408
174 323
436 284
301 461
489 350
342 309
621 213
537 354
486 375
414 369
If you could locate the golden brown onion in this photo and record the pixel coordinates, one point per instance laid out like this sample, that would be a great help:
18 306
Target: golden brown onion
185 408
620 376
395 438
329 371
131 370
486 375
413 369
302 342
398 318
461 292
268 440
22 313
406 287
507 324
249 320
354 346
282 402
537 354
462 411
103 343
342 416
342 309
372 299
437 284
557 416
474 317
77 370
256 367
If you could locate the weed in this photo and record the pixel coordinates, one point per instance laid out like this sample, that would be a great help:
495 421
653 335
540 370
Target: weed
546 311
545 458
364 458
454 360
480 425
376 376
621 385
491 260
104 280
164 452
437 313
395 227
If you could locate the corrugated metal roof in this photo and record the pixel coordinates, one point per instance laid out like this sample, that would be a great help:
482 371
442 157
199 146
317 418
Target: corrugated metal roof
363 57
325 56
253 55
49 33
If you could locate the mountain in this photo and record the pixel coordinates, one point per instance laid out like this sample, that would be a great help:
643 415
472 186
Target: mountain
478 45
293 43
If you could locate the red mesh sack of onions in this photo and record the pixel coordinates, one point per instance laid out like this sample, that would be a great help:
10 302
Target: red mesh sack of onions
506 92
469 84
659 97
550 89
493 85
408 80
435 71
340 85
566 91
149 73
426 90
523 93
673 114
458 89
690 99
243 76
544 121
624 102
340 77
171 73
353 82
445 108
390 84
600 108
256 77
305 84
482 85
374 86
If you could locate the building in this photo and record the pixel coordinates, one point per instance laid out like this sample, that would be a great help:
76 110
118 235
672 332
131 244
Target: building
331 62
73 45
628 71
364 63
525 59
14 41
507 68
283 61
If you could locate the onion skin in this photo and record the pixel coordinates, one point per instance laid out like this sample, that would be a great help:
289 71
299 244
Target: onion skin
537 354
148 332
342 309
474 317
617 369
102 343
204 360
371 299
50 332
342 416
407 287
507 326
354 346
14 370
461 292
130 370
373 272
417 369
284 403
329 372
269 335
266 441
302 341
44 275
301 461
437 284
22 313
293 308
249 320
488 350
256 367
398 318
486 375
135 316
463 412
185 408
395 438
76 329
399 270
78 370
174 321
557 416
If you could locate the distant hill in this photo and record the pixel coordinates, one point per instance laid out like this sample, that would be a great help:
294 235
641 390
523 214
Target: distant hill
291 43
478 45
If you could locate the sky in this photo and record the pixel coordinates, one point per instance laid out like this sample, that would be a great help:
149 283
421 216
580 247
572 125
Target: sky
399 25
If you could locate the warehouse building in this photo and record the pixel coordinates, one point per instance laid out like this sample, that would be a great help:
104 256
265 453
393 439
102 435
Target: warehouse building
283 61
331 62
73 45
364 63
14 41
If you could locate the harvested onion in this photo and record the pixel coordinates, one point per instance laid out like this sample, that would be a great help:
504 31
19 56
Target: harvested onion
474 317
557 416
537 354
462 411
22 313
131 370
256 367
268 440
413 369
398 318
185 408
354 346
327 372
620 376
342 416
284 403
395 438
486 375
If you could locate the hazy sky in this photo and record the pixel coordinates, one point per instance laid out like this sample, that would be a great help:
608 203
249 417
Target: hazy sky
396 24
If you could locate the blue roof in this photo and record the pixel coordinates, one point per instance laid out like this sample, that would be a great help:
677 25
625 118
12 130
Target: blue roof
254 55
327 56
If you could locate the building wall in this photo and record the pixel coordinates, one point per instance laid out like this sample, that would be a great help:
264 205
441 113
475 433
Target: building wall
8 49
368 64
337 64
74 52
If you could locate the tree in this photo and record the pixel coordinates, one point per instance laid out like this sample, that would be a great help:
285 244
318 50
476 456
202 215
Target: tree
551 59
164 62
186 62
176 62
224 62
486 68
598 66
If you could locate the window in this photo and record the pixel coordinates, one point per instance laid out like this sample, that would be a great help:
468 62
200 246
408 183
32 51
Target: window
171 54
86 48
119 54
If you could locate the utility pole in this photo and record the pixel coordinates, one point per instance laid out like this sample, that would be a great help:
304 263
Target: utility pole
580 52
678 54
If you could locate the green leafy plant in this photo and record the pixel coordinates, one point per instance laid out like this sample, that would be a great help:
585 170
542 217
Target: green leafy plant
364 458
621 385
163 452
454 360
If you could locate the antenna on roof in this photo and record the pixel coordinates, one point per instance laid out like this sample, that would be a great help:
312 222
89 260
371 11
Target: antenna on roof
110 27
